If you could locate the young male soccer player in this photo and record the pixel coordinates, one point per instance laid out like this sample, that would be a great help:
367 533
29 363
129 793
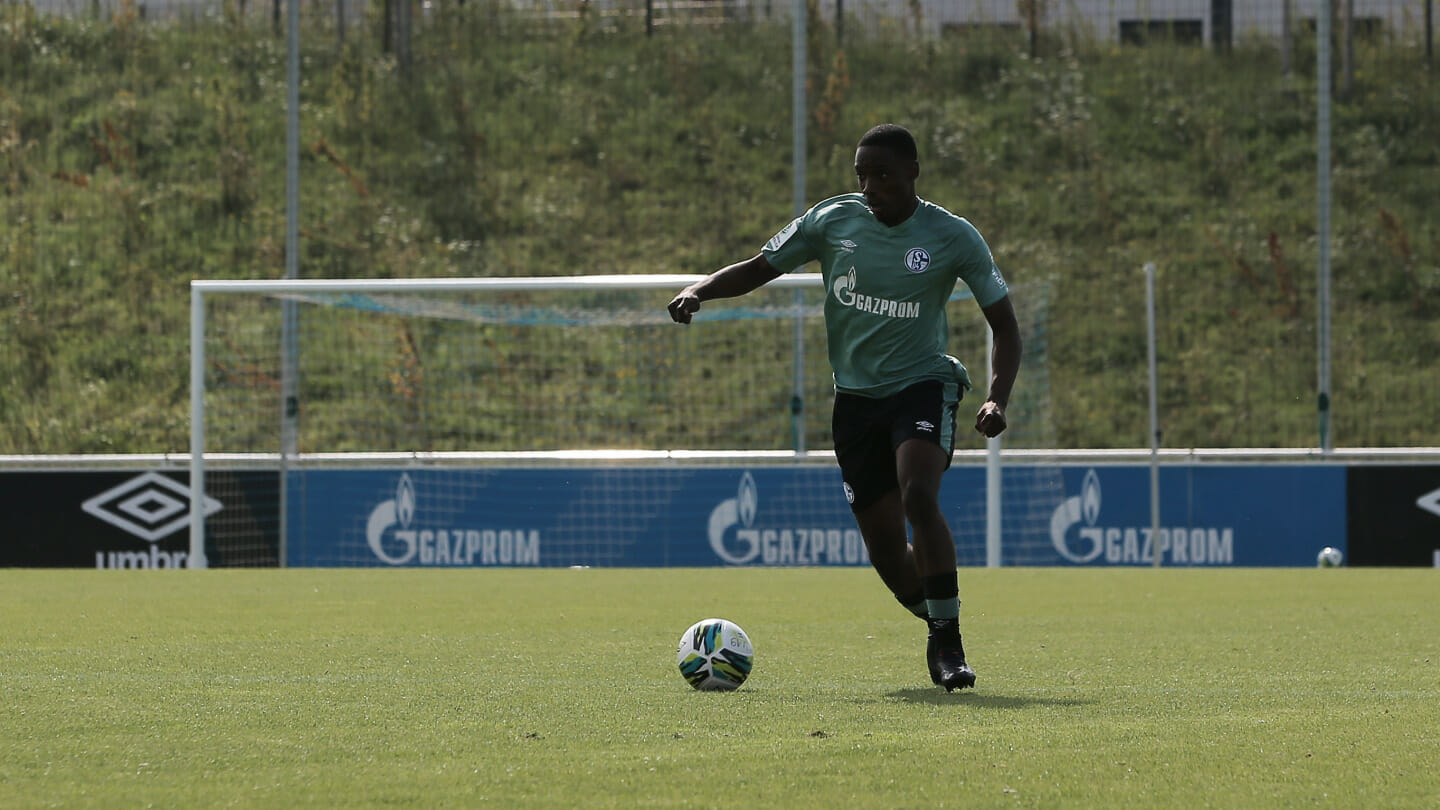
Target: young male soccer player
890 261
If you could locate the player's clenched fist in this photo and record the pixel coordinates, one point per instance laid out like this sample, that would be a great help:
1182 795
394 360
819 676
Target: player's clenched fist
684 306
990 421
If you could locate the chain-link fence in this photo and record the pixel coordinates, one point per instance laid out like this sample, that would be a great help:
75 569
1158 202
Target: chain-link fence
144 144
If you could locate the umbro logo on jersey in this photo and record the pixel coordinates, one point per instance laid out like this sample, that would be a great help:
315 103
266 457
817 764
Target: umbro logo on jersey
848 245
922 425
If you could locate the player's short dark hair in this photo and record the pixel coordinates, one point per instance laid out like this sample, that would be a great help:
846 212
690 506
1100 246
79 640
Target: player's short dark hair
893 137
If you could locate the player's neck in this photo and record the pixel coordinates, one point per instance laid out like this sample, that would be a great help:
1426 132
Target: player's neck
903 217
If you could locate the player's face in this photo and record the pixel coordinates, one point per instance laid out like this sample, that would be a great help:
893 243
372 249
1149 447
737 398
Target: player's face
887 180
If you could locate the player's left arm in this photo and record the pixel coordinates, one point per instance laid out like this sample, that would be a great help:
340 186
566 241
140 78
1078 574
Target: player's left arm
1005 362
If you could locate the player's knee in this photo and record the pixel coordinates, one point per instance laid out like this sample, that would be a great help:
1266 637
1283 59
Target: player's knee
919 502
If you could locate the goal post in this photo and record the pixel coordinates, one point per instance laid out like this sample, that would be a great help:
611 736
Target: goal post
460 373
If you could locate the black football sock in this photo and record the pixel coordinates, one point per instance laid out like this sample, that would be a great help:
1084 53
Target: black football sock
942 598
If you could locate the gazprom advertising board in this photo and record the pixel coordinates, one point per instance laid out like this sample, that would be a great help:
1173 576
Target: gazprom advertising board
1211 515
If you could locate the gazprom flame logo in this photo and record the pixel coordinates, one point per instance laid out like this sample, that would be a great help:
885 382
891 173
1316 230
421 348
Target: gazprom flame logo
1090 498
405 501
844 288
1084 506
385 515
739 510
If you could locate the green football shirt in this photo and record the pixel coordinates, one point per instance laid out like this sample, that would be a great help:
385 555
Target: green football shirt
886 288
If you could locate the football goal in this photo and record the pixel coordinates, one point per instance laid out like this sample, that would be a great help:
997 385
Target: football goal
457 375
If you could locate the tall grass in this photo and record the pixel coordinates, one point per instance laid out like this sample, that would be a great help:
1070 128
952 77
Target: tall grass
135 157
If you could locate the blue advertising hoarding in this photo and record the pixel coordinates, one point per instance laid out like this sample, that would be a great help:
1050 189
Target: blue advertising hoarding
1258 515
1240 515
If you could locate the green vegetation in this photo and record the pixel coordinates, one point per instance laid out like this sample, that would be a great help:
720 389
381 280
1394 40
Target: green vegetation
558 688
137 156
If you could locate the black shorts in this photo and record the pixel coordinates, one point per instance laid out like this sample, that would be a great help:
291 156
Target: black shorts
867 432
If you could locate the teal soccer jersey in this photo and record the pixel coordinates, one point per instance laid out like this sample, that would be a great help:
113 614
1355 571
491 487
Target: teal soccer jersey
886 288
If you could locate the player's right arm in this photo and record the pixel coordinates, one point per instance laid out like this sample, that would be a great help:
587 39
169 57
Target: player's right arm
1005 360
727 282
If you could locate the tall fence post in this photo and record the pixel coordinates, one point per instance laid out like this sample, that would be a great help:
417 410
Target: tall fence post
994 475
290 313
1154 412
1323 14
1429 31
799 58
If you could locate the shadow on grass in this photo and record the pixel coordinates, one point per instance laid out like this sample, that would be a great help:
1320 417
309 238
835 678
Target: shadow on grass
984 700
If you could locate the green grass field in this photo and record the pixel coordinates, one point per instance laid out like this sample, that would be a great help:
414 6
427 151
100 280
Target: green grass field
558 688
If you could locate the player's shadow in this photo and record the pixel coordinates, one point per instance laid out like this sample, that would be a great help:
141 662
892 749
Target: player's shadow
984 700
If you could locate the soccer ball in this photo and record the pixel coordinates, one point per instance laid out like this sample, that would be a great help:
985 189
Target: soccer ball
715 655
1329 557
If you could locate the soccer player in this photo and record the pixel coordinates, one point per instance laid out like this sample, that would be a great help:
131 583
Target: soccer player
890 261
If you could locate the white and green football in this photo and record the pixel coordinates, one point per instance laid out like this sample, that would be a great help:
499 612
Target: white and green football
715 655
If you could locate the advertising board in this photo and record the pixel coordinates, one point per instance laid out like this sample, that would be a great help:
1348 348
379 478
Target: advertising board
129 518
1394 515
1211 515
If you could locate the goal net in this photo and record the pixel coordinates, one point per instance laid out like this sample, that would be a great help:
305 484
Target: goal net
453 380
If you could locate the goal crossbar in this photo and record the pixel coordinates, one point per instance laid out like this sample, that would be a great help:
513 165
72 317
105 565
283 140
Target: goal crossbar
397 285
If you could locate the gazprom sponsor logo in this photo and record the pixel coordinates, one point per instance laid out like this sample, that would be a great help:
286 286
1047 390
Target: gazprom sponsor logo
739 537
844 290
1080 536
396 537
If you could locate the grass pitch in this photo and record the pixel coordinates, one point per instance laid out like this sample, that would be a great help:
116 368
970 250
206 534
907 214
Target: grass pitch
558 688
